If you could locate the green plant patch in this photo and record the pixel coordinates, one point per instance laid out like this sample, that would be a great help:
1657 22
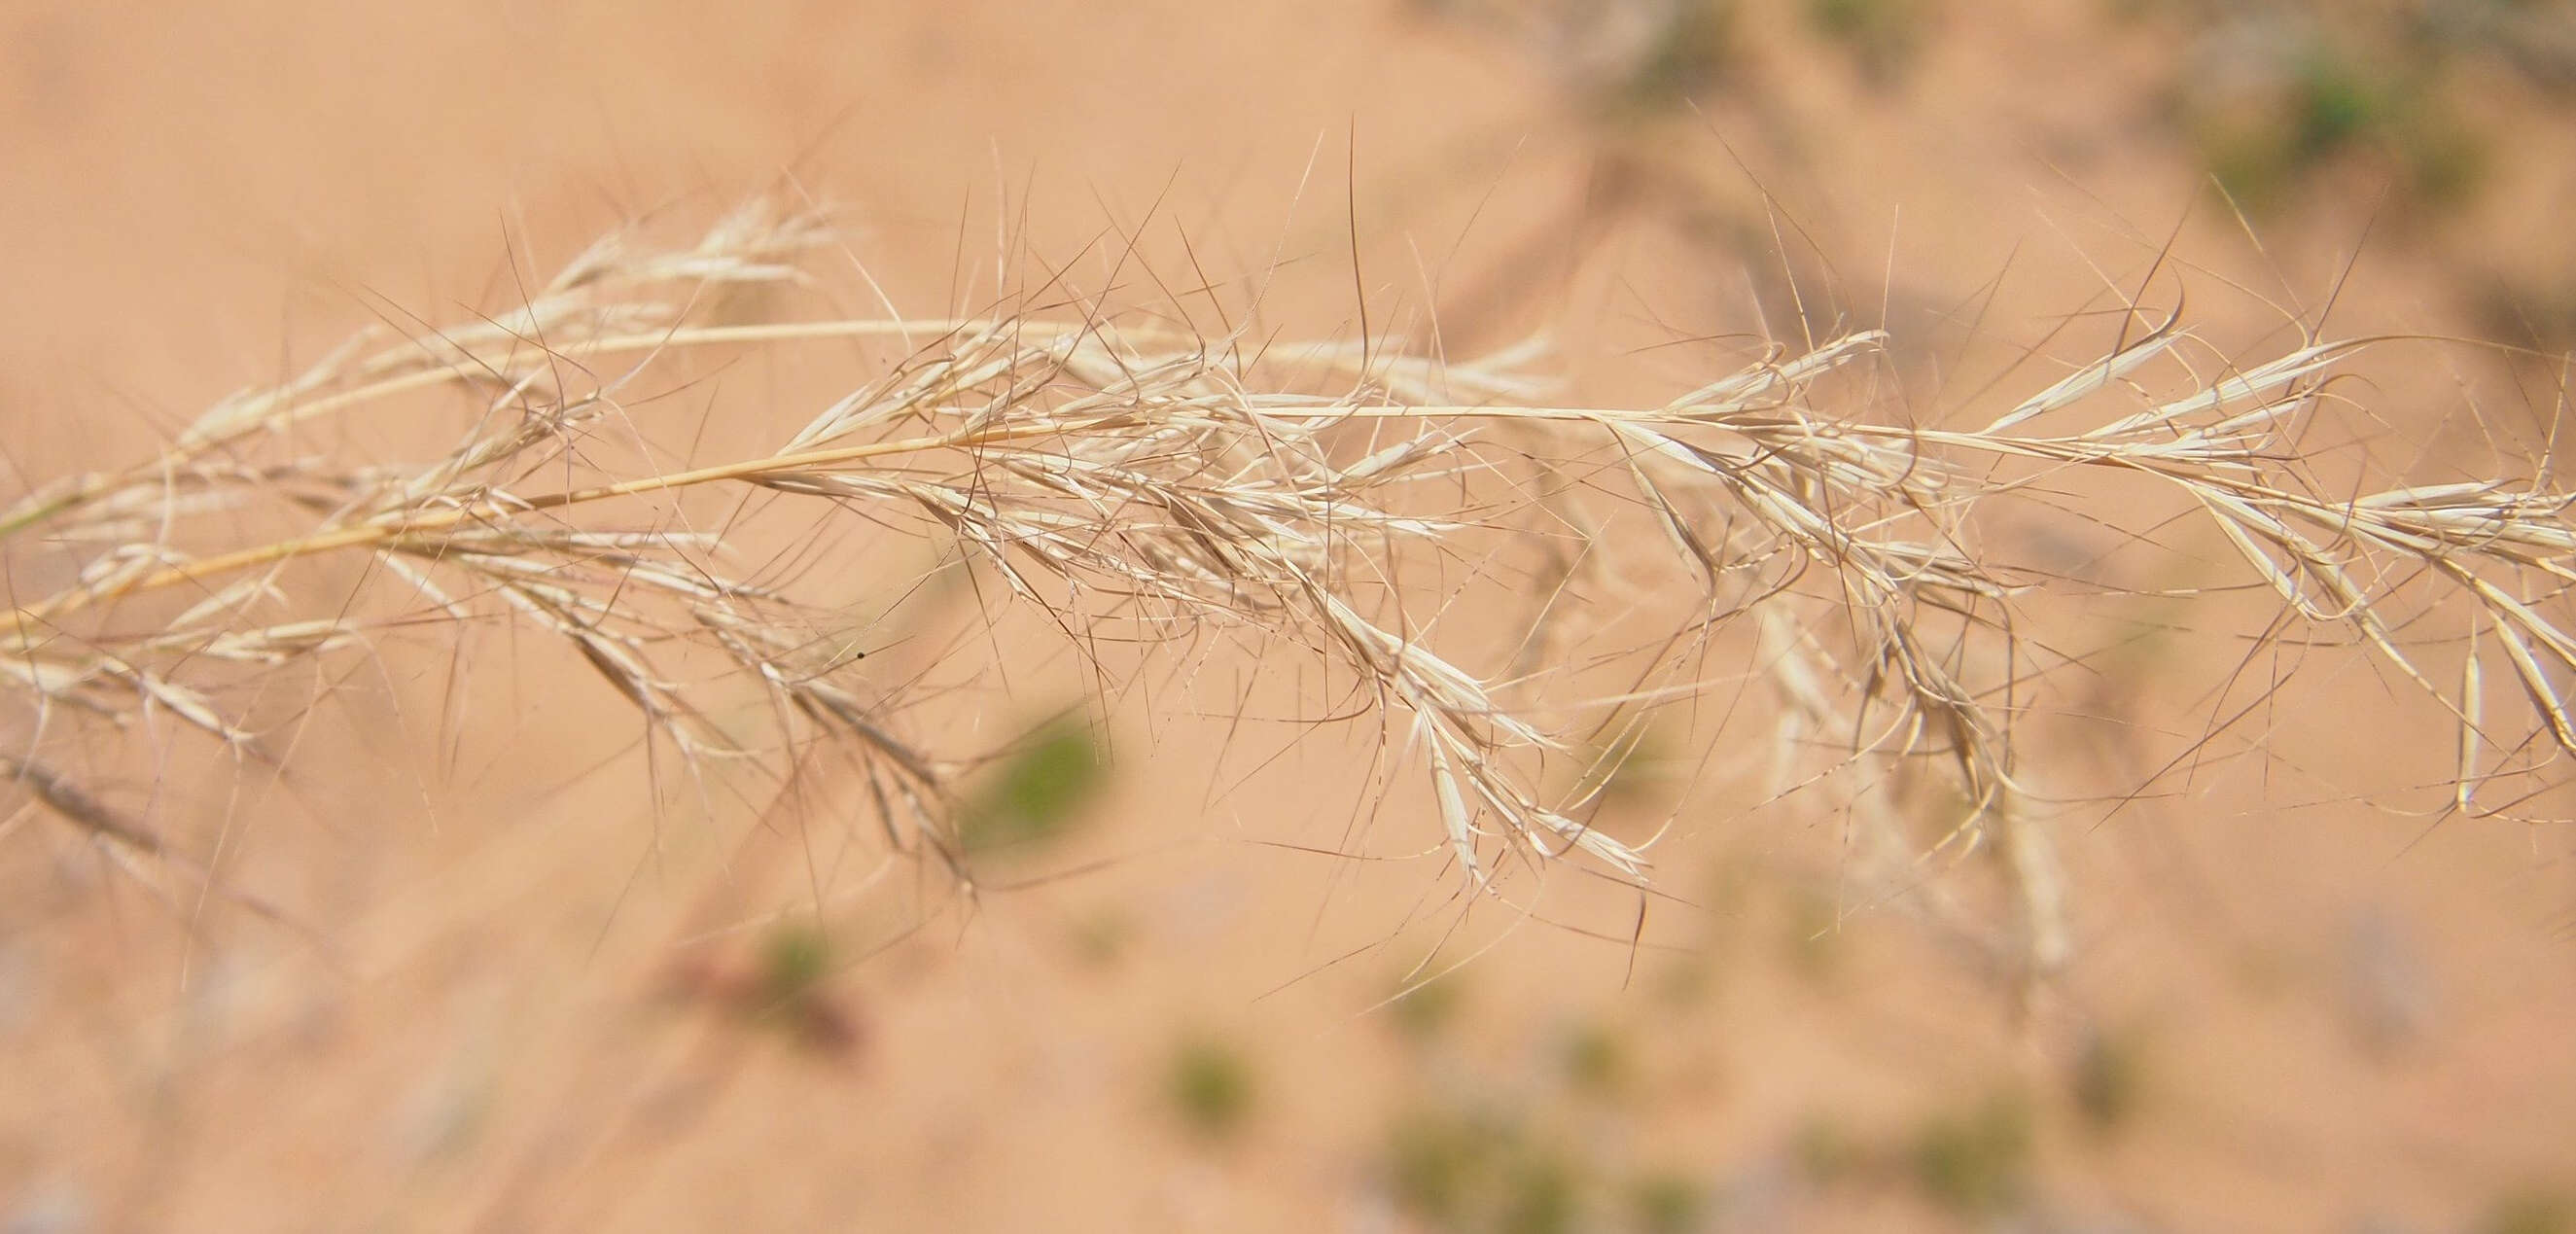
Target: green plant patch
1037 794
1976 1161
1212 1089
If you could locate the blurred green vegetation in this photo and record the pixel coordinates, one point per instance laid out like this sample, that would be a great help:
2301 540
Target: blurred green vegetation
1212 1089
1632 767
2271 94
1666 1202
1977 1160
785 988
1598 1061
1035 796
1483 1171
1554 1144
1425 1012
2532 1211
2281 105
2109 1079
1693 50
1102 937
793 961
1883 37
1475 1153
1827 1152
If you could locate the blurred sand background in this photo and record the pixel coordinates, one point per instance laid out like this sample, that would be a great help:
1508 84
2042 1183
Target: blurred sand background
2288 1010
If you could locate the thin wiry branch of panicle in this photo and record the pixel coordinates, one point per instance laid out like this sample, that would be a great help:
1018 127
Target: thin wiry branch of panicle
614 298
2506 546
1132 476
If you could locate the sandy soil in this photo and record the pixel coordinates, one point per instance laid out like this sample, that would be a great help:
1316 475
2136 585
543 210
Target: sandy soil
2281 1015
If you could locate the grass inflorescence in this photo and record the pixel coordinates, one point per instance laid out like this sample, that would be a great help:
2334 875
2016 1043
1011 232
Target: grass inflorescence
1135 481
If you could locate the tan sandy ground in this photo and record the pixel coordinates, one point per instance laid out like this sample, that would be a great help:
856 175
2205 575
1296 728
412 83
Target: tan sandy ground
2329 1021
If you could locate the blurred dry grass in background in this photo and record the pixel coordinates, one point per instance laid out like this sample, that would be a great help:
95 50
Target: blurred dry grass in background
472 952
